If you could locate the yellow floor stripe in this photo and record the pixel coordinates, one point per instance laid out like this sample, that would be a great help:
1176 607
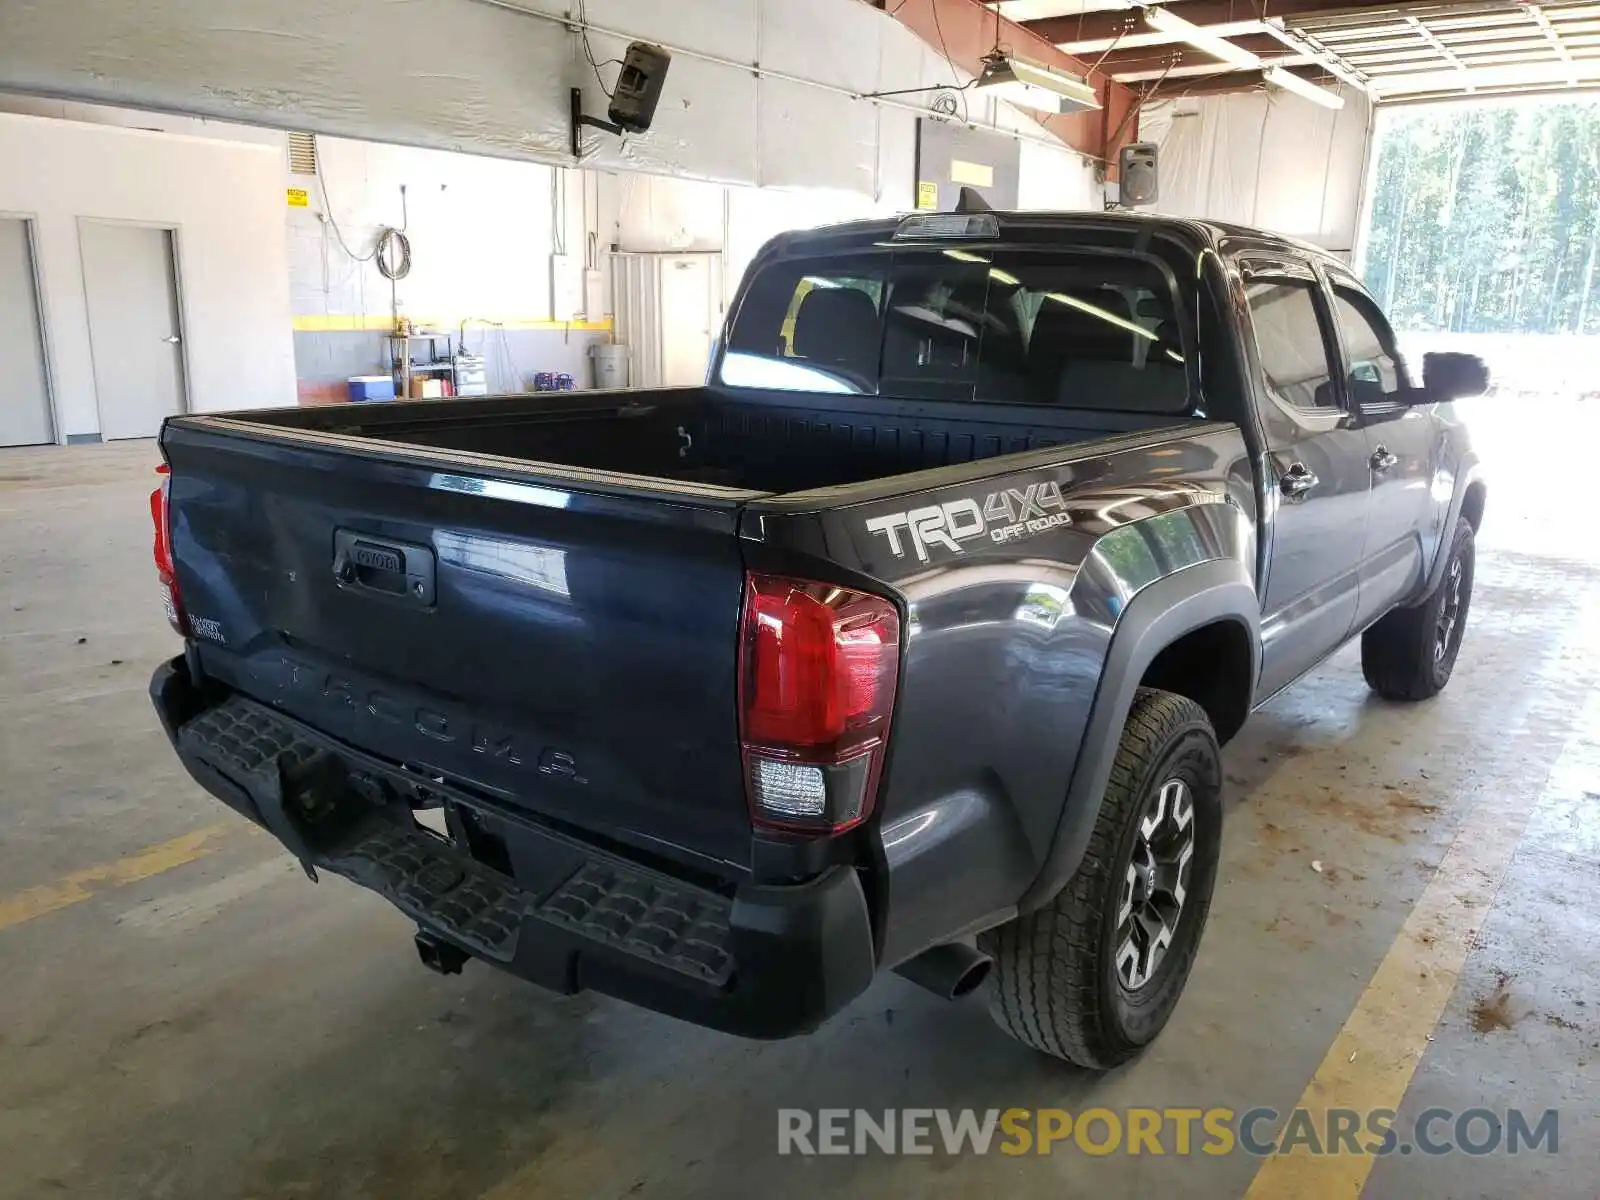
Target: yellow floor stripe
85 884
1371 1062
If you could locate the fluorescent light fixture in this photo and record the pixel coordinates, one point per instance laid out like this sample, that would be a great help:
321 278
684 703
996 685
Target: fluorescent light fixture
1094 311
1290 82
1035 85
1005 277
1201 39
966 256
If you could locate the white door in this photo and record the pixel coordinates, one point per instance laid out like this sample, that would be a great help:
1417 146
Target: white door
131 283
25 395
687 317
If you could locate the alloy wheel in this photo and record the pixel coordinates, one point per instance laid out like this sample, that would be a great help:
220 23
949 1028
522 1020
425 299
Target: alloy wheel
1449 611
1155 884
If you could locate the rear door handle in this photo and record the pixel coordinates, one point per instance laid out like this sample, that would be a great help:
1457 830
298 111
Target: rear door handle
1382 460
1297 481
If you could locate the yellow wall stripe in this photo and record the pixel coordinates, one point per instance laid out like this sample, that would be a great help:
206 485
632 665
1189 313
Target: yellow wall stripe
358 323
85 884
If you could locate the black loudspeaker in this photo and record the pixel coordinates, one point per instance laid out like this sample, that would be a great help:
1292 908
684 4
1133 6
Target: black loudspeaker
1137 166
639 84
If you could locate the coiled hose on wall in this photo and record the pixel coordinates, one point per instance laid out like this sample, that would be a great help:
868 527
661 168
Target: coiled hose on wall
392 254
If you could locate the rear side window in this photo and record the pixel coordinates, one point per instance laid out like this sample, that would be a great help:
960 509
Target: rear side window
1290 342
1060 330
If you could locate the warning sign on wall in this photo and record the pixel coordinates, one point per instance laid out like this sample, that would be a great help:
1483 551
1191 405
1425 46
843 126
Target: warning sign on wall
979 175
298 198
928 196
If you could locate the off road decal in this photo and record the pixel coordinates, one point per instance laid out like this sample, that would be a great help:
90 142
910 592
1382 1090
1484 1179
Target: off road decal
1002 517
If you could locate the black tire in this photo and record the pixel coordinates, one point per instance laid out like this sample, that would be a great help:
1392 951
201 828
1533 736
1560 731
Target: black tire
1056 984
1402 656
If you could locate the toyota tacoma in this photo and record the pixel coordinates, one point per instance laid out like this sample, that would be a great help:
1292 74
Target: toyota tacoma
907 642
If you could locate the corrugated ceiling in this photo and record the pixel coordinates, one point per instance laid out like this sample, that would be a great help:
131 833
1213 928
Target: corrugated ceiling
1401 51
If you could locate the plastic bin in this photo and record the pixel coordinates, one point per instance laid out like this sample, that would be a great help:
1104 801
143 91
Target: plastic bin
610 365
370 387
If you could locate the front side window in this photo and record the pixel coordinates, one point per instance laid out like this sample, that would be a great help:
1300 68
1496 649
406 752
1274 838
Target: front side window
1375 376
1290 343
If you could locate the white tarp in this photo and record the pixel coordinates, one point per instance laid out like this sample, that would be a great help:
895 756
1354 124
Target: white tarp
1269 159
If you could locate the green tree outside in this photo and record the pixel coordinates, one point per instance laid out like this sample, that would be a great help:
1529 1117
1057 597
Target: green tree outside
1486 218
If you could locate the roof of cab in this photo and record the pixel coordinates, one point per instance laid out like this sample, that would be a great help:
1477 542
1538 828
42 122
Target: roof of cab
1200 232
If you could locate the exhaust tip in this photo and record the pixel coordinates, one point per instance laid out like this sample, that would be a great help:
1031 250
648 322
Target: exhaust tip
972 979
950 971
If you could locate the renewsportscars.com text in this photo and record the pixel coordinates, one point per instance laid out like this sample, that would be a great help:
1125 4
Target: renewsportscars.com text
1177 1131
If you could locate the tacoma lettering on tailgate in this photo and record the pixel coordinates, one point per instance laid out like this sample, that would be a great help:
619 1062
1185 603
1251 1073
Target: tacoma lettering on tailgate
368 703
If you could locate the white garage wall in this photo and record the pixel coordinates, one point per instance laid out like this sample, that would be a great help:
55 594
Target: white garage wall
664 215
1269 159
482 235
1057 179
655 214
480 227
226 201
480 232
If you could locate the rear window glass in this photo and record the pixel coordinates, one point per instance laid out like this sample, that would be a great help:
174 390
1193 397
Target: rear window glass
1083 332
810 326
1063 330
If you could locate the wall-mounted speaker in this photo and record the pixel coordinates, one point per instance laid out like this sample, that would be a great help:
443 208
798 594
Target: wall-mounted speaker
639 84
1137 169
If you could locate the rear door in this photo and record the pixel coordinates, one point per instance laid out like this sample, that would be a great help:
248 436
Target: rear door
1317 456
568 652
1399 438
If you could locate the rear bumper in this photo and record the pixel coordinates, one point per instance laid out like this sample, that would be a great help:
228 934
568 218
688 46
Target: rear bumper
767 962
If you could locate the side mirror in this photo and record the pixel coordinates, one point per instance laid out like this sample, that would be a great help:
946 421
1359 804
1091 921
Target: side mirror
1449 376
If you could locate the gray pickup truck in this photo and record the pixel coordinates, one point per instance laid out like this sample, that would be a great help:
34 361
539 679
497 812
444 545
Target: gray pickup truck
905 643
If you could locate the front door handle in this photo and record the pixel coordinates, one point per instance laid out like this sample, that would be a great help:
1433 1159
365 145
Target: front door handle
1297 481
1382 460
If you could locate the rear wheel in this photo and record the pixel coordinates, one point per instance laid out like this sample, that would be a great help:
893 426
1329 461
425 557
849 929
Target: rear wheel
1411 652
1093 976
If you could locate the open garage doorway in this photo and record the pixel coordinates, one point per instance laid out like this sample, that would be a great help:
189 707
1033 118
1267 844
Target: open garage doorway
1482 234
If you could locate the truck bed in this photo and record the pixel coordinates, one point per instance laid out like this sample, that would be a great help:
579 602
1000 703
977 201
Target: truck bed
538 597
763 442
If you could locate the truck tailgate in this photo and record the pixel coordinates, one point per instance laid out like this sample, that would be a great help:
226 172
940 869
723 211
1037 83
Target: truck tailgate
569 650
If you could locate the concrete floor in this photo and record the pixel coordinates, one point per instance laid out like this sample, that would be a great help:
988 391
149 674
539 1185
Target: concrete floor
200 1021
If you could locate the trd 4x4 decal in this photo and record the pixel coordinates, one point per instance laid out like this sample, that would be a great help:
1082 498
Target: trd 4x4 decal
1004 516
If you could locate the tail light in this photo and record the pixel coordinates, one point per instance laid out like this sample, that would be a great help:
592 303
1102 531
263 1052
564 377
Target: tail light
817 672
165 571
